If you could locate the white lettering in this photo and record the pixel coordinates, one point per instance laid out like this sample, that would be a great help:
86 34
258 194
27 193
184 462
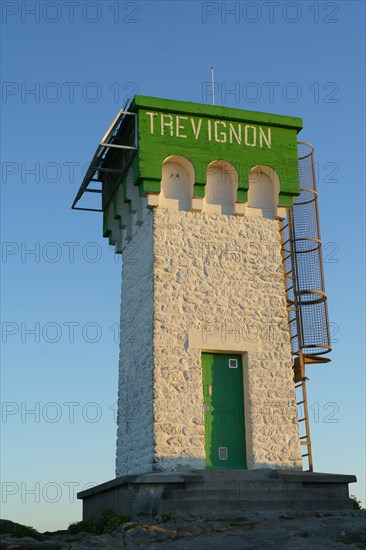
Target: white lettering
196 131
233 133
169 124
219 131
180 126
152 116
222 134
209 129
262 137
254 129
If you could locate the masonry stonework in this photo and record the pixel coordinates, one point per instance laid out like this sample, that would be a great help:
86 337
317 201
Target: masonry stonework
203 282
135 441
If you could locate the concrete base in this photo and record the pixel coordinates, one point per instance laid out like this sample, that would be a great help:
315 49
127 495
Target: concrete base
219 491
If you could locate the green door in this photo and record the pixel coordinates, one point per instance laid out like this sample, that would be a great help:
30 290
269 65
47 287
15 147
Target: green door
223 406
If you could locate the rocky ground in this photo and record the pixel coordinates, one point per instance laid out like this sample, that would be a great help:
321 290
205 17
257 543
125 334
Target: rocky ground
249 530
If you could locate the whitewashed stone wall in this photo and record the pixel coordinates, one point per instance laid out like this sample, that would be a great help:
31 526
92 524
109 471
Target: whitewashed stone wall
218 285
221 275
135 396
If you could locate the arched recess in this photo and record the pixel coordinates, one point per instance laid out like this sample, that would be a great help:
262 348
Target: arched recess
264 188
221 188
177 183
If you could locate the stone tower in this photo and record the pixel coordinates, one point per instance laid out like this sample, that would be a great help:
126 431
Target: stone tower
222 287
206 375
192 197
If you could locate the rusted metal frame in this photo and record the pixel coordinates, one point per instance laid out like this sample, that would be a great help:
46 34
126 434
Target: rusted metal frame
306 413
300 331
96 164
304 440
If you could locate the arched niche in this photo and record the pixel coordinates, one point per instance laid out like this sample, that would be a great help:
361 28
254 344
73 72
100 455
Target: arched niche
221 188
177 183
264 188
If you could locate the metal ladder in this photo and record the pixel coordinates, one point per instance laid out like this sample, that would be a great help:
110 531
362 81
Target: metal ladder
294 323
305 291
302 407
296 330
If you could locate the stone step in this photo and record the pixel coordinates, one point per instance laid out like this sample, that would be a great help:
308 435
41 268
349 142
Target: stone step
221 506
258 494
219 491
236 485
240 474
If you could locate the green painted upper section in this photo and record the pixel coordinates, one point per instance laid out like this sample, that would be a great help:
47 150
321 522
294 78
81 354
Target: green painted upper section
205 133
214 111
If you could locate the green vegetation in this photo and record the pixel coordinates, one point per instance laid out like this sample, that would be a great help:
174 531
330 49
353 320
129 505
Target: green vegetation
231 520
356 503
18 530
106 523
165 516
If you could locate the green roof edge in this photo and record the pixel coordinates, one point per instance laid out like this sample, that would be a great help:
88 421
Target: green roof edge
215 111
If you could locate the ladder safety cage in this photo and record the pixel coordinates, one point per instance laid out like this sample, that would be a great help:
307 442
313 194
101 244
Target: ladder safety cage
305 290
113 155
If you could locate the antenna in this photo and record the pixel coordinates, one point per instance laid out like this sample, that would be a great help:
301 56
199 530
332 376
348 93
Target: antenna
213 85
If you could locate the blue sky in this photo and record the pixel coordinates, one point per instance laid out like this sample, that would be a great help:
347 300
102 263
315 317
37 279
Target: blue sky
82 60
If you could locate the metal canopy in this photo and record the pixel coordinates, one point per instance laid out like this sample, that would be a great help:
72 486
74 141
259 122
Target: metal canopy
111 157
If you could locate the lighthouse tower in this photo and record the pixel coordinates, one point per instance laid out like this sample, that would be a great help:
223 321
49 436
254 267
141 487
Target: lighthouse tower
195 197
